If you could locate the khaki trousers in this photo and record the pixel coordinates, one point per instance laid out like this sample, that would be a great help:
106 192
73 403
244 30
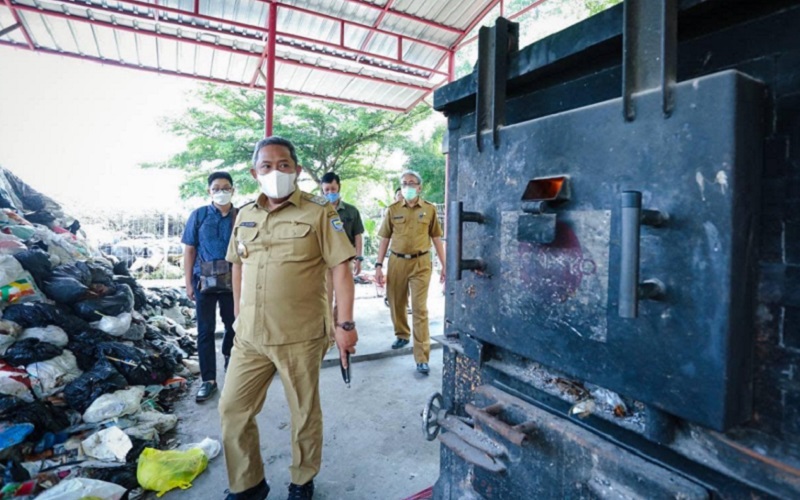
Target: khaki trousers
413 274
251 370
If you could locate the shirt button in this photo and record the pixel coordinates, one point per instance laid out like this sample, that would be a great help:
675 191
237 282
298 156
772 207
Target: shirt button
259 287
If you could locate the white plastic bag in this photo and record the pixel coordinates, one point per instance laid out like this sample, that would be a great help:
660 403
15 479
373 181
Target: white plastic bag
151 424
114 325
16 284
52 334
51 375
211 447
114 404
108 445
82 487
15 382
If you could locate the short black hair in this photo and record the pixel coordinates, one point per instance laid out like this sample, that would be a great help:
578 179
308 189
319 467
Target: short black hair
329 177
220 175
277 141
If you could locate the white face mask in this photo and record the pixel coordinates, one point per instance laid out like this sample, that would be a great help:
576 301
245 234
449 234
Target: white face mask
277 184
221 198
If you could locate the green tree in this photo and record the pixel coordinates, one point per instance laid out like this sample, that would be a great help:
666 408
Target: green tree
223 128
426 158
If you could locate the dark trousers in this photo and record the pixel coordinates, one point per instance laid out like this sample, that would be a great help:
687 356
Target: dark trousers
206 324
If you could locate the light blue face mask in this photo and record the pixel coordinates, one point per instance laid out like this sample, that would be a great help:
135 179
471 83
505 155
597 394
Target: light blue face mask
332 197
409 192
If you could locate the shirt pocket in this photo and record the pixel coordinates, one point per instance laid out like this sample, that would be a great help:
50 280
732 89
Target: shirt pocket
399 225
295 242
246 244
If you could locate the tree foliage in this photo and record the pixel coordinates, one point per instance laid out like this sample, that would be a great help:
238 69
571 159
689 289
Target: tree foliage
223 128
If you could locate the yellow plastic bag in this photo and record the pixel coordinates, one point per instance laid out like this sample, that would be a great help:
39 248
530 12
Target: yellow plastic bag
162 471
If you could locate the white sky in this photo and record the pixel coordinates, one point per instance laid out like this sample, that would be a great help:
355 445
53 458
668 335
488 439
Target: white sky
76 130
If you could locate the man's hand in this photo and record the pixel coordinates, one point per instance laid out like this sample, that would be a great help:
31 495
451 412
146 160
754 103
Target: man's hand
356 267
379 276
442 275
346 342
190 291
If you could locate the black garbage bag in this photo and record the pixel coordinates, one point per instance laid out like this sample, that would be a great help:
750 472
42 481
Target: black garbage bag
152 333
26 351
69 283
137 366
36 262
188 344
15 473
169 350
101 379
42 217
121 268
9 404
118 301
35 314
139 297
84 346
124 475
44 416
101 273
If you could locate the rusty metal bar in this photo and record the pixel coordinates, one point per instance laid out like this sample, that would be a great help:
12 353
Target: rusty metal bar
494 423
18 20
471 454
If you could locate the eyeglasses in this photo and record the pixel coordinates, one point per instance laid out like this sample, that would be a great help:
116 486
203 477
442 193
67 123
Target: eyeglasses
410 184
223 190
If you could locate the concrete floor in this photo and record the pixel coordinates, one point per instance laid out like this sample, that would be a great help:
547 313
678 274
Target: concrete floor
373 445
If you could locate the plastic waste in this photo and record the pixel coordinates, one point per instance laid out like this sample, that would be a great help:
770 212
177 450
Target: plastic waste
13 434
82 488
9 331
114 404
162 471
211 447
118 301
114 325
138 367
192 365
37 262
49 376
109 445
101 379
25 352
52 334
15 382
16 284
44 416
151 424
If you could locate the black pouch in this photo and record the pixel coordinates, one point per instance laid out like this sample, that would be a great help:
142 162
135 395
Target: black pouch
215 277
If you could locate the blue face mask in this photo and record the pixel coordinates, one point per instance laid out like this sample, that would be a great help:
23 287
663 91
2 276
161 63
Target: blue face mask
332 197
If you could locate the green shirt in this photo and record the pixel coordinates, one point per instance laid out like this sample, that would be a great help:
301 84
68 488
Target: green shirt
351 219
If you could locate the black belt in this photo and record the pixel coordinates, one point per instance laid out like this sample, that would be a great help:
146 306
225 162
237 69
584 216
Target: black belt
409 255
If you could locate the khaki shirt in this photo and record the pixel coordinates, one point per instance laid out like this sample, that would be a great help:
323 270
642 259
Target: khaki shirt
410 229
284 256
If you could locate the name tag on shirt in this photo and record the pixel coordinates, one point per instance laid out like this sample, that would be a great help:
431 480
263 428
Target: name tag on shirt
247 224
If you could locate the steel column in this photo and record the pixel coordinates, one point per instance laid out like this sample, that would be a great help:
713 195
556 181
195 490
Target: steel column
270 101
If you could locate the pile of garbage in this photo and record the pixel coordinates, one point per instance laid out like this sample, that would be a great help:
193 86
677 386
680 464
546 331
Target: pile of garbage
90 362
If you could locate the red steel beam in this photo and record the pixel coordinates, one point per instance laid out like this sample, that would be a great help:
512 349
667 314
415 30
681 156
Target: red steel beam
471 26
408 16
377 24
247 39
270 90
223 48
205 79
18 20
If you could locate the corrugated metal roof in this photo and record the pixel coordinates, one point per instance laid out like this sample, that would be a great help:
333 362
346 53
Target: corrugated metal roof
388 54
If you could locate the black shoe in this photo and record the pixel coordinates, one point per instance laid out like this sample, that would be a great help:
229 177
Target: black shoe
423 368
304 492
399 343
386 301
257 492
207 389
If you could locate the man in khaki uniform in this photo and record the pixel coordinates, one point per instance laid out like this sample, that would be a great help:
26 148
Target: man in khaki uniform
282 245
409 225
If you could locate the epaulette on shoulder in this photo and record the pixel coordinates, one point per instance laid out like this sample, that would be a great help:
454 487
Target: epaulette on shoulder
319 200
246 204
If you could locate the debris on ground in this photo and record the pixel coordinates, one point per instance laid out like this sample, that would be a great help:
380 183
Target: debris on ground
90 364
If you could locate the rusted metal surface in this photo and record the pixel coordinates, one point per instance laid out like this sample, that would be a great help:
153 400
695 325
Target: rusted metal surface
470 453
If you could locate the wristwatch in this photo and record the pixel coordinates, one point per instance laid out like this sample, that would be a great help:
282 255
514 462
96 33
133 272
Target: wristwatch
360 258
378 265
347 325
